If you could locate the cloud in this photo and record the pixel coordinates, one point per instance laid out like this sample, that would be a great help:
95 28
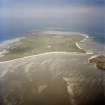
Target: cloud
50 12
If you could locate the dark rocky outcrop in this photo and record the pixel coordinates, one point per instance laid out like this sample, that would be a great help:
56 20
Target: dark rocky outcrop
99 60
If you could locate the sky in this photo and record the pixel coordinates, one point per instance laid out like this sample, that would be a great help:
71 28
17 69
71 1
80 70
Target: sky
14 3
70 10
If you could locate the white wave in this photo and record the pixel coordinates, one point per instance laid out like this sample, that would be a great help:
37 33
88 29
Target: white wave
42 54
64 33
12 41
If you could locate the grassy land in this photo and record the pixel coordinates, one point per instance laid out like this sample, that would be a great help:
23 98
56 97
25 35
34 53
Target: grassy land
35 44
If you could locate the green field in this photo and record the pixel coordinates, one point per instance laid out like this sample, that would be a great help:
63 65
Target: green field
40 43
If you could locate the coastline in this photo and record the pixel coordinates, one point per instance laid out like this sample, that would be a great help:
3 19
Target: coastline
92 46
83 41
5 45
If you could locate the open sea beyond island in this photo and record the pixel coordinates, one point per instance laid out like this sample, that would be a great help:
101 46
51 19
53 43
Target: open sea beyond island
12 28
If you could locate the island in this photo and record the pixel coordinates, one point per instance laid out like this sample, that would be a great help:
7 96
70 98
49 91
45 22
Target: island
41 42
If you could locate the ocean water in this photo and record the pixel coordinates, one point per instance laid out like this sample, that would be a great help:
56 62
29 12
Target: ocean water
17 27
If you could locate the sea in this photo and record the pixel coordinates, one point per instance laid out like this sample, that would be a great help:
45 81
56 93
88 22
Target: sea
11 28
